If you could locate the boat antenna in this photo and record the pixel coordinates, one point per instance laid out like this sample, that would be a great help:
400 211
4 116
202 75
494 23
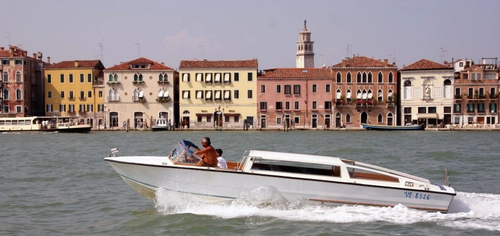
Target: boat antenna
446 177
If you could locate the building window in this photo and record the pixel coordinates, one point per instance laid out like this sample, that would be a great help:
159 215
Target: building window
5 62
250 76
391 79
217 78
236 94
49 107
185 77
236 76
100 94
296 120
227 78
18 77
278 120
287 105
19 109
279 106
49 78
339 78
82 94
278 88
263 106
349 77
185 94
6 109
82 78
208 95
62 107
218 95
457 108
249 94
328 105
422 110
199 77
380 77
315 105
19 95
49 94
199 94
431 110
314 88
288 90
262 88
62 94
328 88
227 95
89 94
70 78
89 78
90 108
296 105
208 78
62 78
71 95
296 89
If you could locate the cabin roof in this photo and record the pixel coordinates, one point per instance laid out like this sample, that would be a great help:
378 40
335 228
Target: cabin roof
305 158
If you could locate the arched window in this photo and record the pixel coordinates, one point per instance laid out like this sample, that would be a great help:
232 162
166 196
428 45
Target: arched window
160 77
110 77
380 77
380 95
185 112
407 90
18 77
370 79
5 76
349 79
348 118
116 78
19 95
136 77
6 94
380 118
389 96
339 77
391 79
364 77
389 119
358 78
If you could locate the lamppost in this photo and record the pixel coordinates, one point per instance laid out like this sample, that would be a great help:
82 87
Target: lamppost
105 117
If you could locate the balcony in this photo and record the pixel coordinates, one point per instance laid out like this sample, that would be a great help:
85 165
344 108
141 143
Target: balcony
163 81
163 99
138 99
114 98
112 82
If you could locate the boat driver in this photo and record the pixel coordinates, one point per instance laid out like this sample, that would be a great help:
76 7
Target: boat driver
208 154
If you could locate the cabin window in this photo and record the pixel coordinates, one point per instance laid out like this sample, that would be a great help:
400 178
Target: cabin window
356 173
296 167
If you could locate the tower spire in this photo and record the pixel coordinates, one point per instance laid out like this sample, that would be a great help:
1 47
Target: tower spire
304 58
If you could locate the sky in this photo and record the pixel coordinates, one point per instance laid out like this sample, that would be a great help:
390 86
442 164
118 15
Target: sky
117 31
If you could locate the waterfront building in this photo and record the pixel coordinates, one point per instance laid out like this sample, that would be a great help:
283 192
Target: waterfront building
21 83
218 94
137 93
476 93
364 91
427 93
295 98
75 88
304 58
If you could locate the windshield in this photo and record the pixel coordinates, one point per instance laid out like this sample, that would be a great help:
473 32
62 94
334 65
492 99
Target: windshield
183 153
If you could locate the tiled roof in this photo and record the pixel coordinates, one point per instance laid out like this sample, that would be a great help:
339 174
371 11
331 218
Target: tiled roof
362 61
425 64
140 61
72 64
219 64
297 73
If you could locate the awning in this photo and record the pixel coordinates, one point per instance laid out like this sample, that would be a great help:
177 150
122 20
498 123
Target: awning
427 116
226 94
199 94
359 96
232 114
165 94
208 77
185 95
339 95
365 96
198 77
217 77
217 94
370 95
160 94
141 94
185 77
348 95
226 77
208 95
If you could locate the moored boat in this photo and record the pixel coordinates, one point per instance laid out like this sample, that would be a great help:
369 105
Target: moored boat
161 124
43 124
309 178
393 127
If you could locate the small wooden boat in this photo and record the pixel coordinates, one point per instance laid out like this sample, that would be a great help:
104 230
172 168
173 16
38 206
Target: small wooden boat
391 127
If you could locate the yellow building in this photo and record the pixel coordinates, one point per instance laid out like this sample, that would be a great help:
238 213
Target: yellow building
218 94
76 88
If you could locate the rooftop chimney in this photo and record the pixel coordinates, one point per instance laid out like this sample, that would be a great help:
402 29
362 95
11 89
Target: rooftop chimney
386 61
76 63
48 60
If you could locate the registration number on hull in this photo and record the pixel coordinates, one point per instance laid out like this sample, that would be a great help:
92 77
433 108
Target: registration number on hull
423 196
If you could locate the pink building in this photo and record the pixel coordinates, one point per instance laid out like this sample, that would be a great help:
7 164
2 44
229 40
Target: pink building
295 98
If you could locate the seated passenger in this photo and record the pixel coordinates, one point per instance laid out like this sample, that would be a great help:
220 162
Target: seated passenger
221 161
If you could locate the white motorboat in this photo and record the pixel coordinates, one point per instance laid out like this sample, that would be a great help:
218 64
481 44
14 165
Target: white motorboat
297 177
161 124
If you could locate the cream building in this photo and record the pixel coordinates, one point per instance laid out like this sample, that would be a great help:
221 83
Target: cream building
218 94
427 93
137 93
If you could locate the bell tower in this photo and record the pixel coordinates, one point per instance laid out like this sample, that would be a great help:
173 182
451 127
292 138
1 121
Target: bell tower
304 58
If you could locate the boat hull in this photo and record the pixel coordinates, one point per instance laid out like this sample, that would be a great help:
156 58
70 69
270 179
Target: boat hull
395 128
226 185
